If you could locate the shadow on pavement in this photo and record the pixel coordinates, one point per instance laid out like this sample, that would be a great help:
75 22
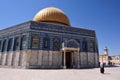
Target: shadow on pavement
112 66
107 73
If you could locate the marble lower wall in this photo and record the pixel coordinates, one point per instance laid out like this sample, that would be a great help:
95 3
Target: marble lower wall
15 59
96 60
84 59
89 60
3 58
46 59
9 58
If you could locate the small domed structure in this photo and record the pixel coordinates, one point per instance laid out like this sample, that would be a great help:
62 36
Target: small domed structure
51 14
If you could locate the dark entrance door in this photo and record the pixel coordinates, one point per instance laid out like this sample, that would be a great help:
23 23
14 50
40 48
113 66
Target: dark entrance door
68 60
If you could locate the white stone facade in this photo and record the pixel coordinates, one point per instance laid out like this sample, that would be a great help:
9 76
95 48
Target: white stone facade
46 59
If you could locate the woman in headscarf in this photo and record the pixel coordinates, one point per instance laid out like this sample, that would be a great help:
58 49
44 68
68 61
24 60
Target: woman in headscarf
102 68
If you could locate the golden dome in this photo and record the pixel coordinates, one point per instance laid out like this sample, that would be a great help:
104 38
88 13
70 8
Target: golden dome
51 14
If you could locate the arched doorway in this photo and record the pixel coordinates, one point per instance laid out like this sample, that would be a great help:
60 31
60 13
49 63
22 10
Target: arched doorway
67 57
68 50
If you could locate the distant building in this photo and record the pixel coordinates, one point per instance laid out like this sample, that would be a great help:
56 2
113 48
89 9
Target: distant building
115 60
104 58
109 60
49 41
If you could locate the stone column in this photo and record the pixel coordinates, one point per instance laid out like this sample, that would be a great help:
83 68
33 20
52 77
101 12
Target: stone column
1 53
64 66
20 41
78 65
72 59
61 61
7 44
13 44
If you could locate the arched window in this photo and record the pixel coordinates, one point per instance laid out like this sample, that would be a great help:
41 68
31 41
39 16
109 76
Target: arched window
72 44
17 43
46 43
35 42
4 45
56 44
91 46
24 42
10 44
84 46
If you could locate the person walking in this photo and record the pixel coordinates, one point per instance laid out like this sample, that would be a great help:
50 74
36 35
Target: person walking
102 68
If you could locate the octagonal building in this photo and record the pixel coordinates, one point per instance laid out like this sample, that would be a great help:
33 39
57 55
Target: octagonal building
48 41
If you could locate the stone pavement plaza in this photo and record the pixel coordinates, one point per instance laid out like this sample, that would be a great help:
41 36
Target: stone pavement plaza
112 73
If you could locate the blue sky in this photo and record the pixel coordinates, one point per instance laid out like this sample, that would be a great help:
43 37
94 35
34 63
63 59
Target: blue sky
103 16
